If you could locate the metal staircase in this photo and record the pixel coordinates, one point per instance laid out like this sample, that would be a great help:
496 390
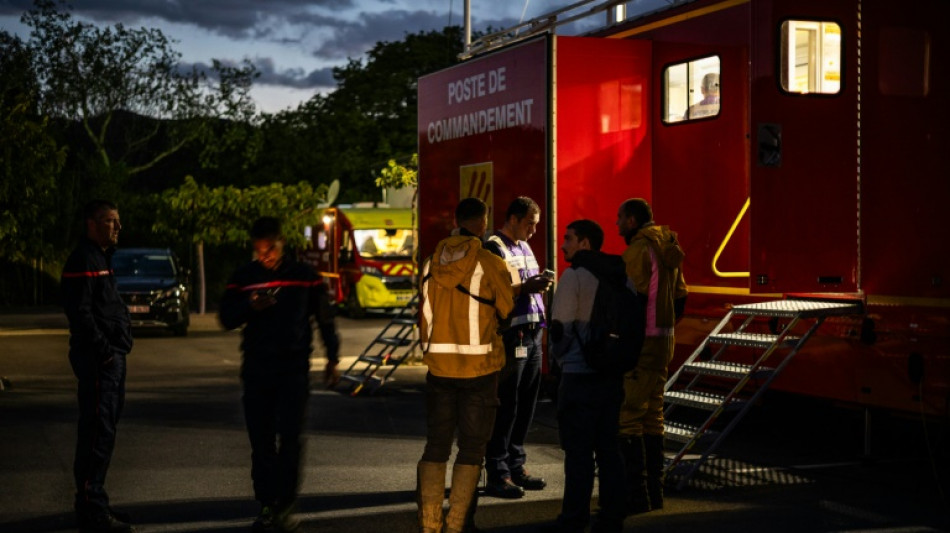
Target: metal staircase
707 385
391 347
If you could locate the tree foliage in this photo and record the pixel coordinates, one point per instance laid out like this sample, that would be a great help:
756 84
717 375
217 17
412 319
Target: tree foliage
223 215
30 161
89 74
399 176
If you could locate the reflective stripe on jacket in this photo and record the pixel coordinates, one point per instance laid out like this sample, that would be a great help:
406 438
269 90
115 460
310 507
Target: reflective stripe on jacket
459 328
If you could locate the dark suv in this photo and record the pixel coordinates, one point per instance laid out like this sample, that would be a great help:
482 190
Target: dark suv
154 286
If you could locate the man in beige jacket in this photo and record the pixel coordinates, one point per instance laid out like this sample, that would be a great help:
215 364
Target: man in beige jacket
465 291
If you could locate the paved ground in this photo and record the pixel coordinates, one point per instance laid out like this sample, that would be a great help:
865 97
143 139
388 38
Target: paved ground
182 460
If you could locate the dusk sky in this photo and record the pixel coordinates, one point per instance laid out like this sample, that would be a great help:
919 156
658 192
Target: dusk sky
296 43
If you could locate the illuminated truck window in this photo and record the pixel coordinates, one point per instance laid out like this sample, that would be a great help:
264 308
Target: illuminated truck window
691 90
386 242
811 57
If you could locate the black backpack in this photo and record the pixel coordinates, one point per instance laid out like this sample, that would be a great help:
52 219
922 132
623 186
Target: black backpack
616 328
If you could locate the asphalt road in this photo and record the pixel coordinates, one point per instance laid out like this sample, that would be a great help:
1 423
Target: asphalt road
182 457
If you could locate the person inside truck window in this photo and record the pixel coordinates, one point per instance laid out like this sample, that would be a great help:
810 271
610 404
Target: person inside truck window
369 246
709 105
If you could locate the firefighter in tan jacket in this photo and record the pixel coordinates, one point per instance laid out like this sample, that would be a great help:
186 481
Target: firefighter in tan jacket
654 263
465 291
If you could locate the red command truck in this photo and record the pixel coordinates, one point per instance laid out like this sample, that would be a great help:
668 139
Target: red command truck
798 147
366 256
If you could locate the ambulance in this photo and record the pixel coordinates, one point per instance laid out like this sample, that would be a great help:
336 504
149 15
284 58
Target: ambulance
366 256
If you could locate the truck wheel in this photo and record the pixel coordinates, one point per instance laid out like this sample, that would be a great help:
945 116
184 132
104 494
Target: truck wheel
353 307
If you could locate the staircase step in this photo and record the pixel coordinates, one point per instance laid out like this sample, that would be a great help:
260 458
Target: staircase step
393 341
359 379
725 369
372 359
683 433
750 340
803 308
700 400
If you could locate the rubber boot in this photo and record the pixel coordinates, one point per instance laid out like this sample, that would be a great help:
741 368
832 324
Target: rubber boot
653 452
464 482
430 492
634 463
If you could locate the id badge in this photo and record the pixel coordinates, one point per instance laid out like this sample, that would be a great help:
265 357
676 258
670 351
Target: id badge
521 352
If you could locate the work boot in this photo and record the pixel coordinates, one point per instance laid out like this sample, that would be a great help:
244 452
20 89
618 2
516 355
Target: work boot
653 452
266 520
526 481
430 492
104 522
285 517
634 463
464 483
505 488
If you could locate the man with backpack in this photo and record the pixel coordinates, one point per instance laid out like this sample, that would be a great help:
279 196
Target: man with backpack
465 291
653 261
588 407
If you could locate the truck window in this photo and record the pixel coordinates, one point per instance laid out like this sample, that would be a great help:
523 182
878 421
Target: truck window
691 90
385 242
810 57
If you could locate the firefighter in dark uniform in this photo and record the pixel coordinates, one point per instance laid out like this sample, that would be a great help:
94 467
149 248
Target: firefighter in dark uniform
273 298
99 339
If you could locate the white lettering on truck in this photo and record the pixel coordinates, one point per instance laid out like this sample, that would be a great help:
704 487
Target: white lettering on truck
496 118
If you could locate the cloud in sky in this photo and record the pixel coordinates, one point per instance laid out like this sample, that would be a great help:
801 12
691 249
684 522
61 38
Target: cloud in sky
294 43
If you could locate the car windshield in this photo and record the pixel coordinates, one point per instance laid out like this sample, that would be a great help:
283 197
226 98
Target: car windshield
143 266
384 242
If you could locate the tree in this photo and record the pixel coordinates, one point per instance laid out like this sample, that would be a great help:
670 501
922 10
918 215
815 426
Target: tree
91 74
30 162
30 159
399 176
222 215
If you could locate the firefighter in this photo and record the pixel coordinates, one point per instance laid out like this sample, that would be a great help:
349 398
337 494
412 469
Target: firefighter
465 290
273 298
100 337
653 261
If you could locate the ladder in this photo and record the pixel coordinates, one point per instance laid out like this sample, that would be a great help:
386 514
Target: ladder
549 22
699 384
390 348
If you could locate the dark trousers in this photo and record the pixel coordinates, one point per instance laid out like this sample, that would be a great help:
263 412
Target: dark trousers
587 412
101 397
274 408
518 393
467 405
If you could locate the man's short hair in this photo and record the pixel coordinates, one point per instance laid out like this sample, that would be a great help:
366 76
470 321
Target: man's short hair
521 207
639 209
590 230
92 209
470 209
266 228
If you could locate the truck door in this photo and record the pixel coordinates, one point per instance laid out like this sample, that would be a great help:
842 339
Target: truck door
805 167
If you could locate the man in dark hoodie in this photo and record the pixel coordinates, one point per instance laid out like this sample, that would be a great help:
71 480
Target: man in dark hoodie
588 407
653 261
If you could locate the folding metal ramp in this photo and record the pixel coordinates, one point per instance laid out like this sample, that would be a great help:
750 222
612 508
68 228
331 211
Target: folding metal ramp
391 347
708 384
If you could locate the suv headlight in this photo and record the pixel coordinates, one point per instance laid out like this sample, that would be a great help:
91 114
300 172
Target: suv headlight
171 292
